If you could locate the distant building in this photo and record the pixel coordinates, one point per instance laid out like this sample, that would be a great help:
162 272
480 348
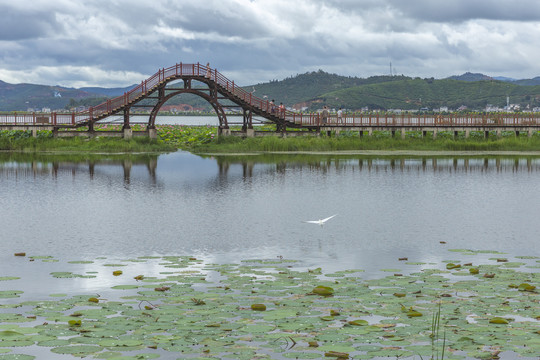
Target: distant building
512 107
46 110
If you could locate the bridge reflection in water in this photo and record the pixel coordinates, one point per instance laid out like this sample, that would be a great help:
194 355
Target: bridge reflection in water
403 164
248 167
43 168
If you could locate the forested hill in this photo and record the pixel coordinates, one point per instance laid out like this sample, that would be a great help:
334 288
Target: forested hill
315 89
429 93
310 86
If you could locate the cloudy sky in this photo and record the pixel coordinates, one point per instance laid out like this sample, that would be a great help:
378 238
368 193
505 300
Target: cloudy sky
113 43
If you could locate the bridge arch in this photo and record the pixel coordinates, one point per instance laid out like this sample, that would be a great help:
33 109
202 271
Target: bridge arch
218 108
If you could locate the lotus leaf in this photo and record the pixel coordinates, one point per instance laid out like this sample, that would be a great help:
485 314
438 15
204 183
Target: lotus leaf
301 355
77 350
53 343
75 322
358 322
526 287
498 320
413 313
323 290
336 354
6 294
16 343
109 343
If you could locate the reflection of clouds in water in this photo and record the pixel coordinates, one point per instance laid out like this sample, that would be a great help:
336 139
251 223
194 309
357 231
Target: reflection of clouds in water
237 209
37 280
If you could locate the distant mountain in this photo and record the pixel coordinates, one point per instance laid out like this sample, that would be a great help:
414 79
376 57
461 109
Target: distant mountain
468 76
481 77
504 78
528 82
20 97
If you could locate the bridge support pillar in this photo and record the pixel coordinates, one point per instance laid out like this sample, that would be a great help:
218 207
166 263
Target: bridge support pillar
517 133
34 132
250 132
361 133
467 133
424 133
403 134
152 133
224 132
486 134
456 134
127 133
499 133
434 134
370 132
530 132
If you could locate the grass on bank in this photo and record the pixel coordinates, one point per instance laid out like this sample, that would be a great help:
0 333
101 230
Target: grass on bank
84 145
379 141
203 139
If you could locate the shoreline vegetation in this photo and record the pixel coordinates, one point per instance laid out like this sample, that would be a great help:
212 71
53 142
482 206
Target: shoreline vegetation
204 140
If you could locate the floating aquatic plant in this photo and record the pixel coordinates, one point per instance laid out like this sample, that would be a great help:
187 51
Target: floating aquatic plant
348 316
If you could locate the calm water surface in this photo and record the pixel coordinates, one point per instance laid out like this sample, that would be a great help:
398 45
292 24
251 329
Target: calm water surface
226 209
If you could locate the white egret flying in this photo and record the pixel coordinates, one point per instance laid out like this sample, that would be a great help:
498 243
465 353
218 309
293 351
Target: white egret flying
320 221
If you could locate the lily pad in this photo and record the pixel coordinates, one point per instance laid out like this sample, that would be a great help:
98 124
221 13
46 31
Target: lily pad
323 290
77 350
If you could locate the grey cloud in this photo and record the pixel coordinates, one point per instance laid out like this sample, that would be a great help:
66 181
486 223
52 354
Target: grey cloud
465 10
235 22
19 25
447 11
350 37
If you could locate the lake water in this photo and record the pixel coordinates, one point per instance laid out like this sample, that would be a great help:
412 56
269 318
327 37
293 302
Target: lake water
225 209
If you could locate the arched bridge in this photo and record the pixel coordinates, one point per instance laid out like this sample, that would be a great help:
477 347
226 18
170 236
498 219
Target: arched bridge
223 94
